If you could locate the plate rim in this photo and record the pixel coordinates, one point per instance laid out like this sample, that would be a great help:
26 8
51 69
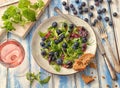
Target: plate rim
44 21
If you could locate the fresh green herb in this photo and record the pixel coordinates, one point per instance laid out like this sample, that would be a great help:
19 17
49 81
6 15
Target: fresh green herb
32 77
21 14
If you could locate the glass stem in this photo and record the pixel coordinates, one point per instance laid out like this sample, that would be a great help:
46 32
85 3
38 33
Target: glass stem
7 78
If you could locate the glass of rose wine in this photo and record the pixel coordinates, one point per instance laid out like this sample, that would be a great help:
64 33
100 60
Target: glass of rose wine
12 54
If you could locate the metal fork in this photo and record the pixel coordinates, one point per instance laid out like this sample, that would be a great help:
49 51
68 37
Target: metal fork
104 36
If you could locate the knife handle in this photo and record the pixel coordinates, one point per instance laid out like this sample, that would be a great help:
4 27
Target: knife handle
111 70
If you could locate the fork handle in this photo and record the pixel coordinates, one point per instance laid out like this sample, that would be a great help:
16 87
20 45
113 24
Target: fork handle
110 68
111 52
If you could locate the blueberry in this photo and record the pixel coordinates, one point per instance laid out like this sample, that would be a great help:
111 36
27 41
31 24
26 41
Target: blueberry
83 4
51 54
101 1
64 3
85 10
99 17
58 31
96 0
49 43
76 44
43 52
111 23
109 1
73 9
106 19
56 53
56 41
43 38
62 36
96 3
71 26
59 61
53 58
71 6
77 1
90 14
91 7
84 40
80 11
74 47
75 12
115 14
60 39
54 24
64 45
42 44
99 11
80 7
67 8
64 25
69 64
93 24
86 19
104 10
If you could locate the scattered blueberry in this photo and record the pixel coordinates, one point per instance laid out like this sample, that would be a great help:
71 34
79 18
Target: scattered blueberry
54 24
84 40
76 44
58 31
67 8
51 54
62 36
71 26
59 61
73 9
90 14
83 4
69 64
60 39
111 23
99 11
106 19
93 24
74 47
64 3
71 6
96 0
115 14
64 45
56 41
80 11
91 7
95 21
42 44
75 12
86 19
80 7
43 52
103 10
77 1
43 38
85 10
96 3
99 17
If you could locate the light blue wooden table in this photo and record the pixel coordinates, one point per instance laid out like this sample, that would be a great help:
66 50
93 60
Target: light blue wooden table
70 81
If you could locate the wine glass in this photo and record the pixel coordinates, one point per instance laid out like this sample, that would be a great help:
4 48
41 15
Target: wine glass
12 54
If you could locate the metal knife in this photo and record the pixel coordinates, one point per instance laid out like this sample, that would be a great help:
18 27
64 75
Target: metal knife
102 51
6 3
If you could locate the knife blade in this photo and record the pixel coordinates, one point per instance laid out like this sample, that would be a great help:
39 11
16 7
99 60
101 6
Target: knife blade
6 3
103 53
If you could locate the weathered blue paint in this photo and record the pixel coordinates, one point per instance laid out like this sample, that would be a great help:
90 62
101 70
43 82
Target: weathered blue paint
63 82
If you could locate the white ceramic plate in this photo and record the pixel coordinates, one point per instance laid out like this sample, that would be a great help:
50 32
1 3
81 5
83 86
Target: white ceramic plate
36 52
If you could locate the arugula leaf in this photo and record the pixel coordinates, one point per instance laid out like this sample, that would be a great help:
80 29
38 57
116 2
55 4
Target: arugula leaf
8 26
44 81
41 34
29 14
23 4
57 68
32 77
40 3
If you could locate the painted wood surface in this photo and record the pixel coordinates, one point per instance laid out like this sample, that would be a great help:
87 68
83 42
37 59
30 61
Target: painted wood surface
17 76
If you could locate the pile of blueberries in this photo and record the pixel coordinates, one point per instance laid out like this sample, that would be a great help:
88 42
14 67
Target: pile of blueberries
82 8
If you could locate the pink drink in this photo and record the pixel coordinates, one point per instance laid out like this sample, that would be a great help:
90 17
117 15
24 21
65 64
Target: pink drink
11 53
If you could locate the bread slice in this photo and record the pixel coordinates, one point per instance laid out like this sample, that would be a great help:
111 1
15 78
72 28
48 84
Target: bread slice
87 79
81 63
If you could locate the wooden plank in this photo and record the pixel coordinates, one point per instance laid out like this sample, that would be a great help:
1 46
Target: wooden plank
22 31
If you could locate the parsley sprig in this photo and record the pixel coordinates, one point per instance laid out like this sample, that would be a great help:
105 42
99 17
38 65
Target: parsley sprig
21 14
32 77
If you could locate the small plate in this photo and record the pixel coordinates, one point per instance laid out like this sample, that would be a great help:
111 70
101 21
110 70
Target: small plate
36 52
